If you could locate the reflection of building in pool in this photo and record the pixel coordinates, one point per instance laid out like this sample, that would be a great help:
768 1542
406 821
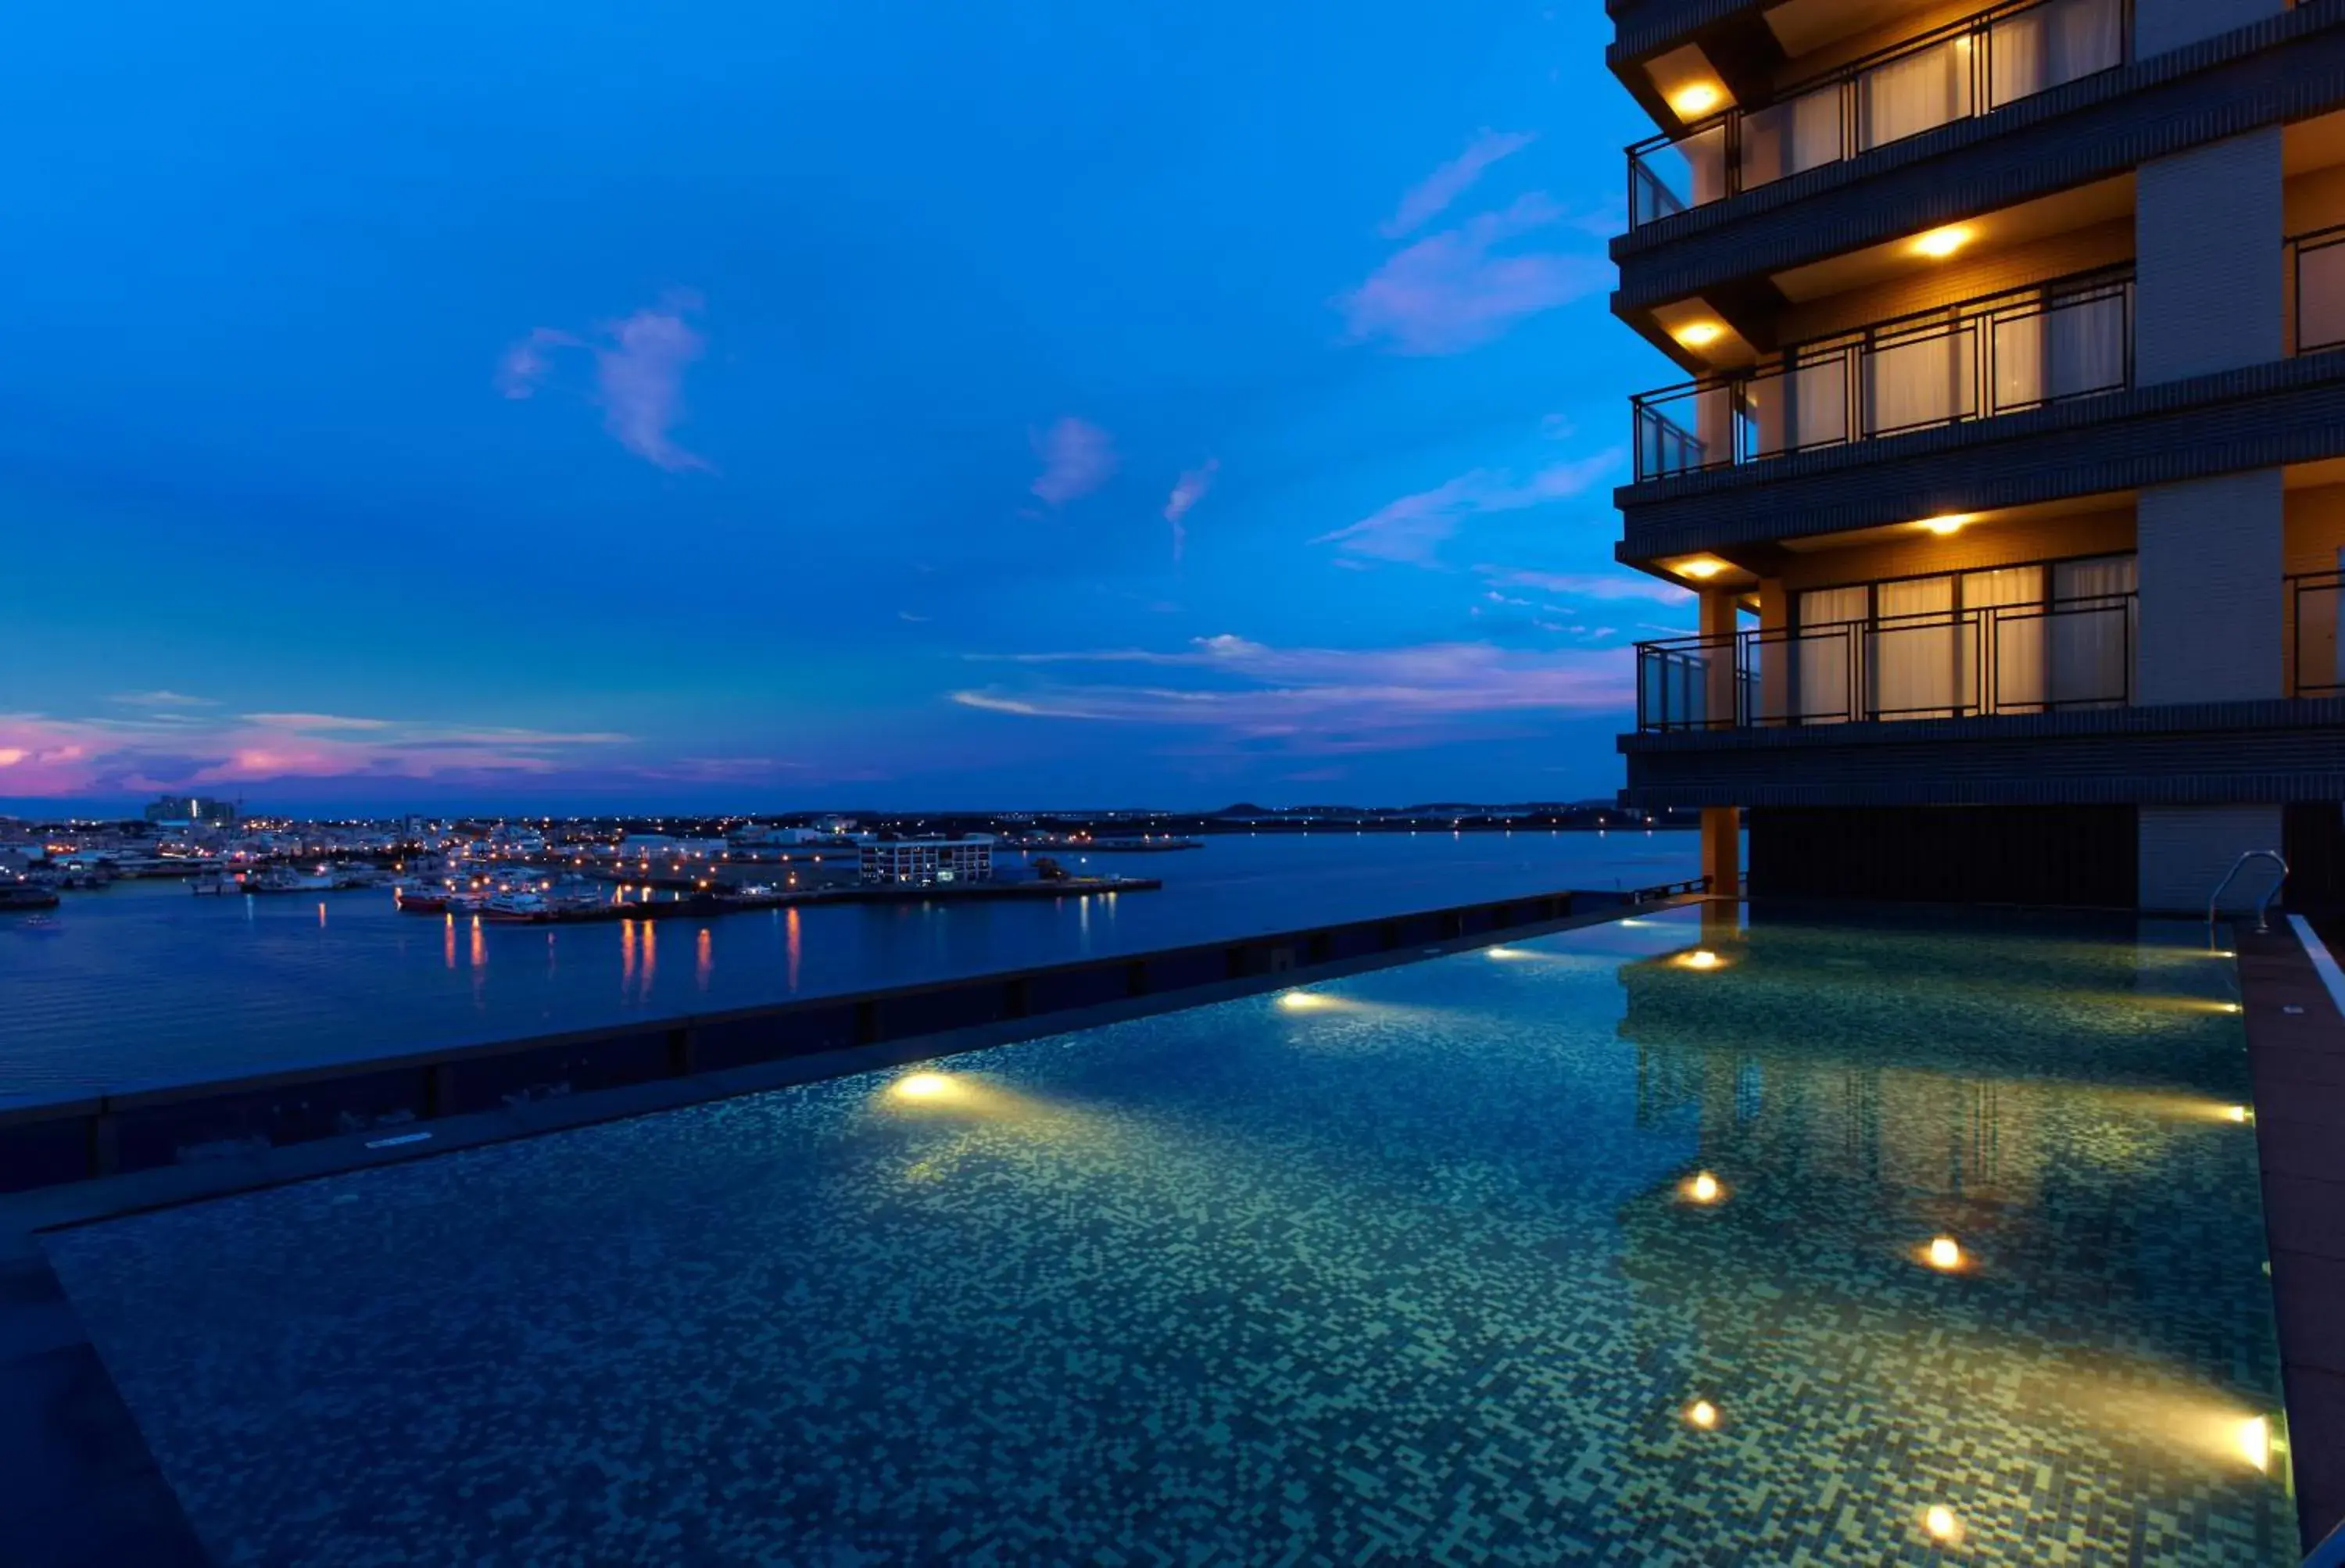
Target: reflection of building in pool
2005 474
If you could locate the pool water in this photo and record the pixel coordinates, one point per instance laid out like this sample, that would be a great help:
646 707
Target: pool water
1417 1271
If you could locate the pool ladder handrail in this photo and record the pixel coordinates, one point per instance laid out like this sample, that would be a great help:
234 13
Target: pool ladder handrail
2263 910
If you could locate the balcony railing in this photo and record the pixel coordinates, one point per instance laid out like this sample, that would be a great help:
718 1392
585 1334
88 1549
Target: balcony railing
2054 341
2313 667
2039 657
2317 279
1970 68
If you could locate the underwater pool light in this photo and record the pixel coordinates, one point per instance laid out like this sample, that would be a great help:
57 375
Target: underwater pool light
1701 1413
1301 1001
2255 1440
1703 1188
1699 958
920 1086
1941 1522
1944 1253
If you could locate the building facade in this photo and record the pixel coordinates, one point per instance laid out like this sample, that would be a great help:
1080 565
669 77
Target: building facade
2010 468
921 862
191 810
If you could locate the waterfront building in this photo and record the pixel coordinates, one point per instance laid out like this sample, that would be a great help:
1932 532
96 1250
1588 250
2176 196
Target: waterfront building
919 862
192 809
2010 474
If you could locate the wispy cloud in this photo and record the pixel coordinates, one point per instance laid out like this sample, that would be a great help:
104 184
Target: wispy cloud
1452 180
1187 491
1622 584
639 365
1412 529
45 755
1077 459
1317 700
160 699
1457 290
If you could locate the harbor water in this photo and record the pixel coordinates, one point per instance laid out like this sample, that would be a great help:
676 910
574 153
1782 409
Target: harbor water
142 984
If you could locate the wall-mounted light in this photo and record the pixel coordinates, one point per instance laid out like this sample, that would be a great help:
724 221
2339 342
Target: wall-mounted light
1695 99
1940 243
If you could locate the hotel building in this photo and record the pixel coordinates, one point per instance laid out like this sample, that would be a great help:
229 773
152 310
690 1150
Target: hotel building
2010 466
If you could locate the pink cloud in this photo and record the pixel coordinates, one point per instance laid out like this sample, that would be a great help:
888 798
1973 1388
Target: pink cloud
1077 459
1452 180
1320 700
639 368
1187 491
1453 291
1412 529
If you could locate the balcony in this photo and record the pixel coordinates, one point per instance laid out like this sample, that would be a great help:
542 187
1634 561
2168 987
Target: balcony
2020 349
1967 68
2040 657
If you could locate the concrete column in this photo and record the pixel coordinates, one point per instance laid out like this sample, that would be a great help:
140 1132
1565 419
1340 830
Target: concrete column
2209 297
2162 24
2186 850
2208 268
1721 849
1718 625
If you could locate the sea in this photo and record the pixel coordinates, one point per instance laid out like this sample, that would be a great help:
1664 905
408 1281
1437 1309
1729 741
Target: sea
144 985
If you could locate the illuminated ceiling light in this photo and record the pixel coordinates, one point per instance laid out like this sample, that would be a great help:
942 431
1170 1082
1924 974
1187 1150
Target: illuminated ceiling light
1701 1413
1704 569
1695 98
1699 334
1941 1522
920 1086
2255 1440
1951 523
1940 243
1944 1253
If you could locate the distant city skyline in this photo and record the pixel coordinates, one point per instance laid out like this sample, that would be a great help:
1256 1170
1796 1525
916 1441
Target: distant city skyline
544 408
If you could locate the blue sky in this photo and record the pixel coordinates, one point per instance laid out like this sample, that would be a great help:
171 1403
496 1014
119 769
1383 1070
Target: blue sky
747 405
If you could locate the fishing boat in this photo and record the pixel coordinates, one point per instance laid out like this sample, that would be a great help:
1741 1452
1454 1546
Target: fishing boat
516 906
286 880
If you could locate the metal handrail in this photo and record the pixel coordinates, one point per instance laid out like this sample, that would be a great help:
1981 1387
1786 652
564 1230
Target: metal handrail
1838 371
1714 680
1650 199
2317 243
2263 910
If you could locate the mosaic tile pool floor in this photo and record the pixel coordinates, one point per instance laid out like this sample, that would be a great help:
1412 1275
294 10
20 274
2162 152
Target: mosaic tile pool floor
1417 1274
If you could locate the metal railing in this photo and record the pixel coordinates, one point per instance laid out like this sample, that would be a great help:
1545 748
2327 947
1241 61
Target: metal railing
2316 276
1964 69
2050 343
2039 657
2313 603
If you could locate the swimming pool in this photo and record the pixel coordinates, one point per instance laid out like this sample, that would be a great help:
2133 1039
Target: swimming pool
1582 1248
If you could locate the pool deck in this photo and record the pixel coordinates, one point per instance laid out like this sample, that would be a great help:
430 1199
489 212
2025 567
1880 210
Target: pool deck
2295 1057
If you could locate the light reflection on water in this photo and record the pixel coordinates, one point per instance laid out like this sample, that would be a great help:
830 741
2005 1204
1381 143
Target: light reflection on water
144 982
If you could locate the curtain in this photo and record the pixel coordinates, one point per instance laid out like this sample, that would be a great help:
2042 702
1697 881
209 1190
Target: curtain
1823 652
2085 346
2089 633
1913 94
1922 379
1802 405
1785 138
2050 44
1912 656
2010 642
2320 298
2016 341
